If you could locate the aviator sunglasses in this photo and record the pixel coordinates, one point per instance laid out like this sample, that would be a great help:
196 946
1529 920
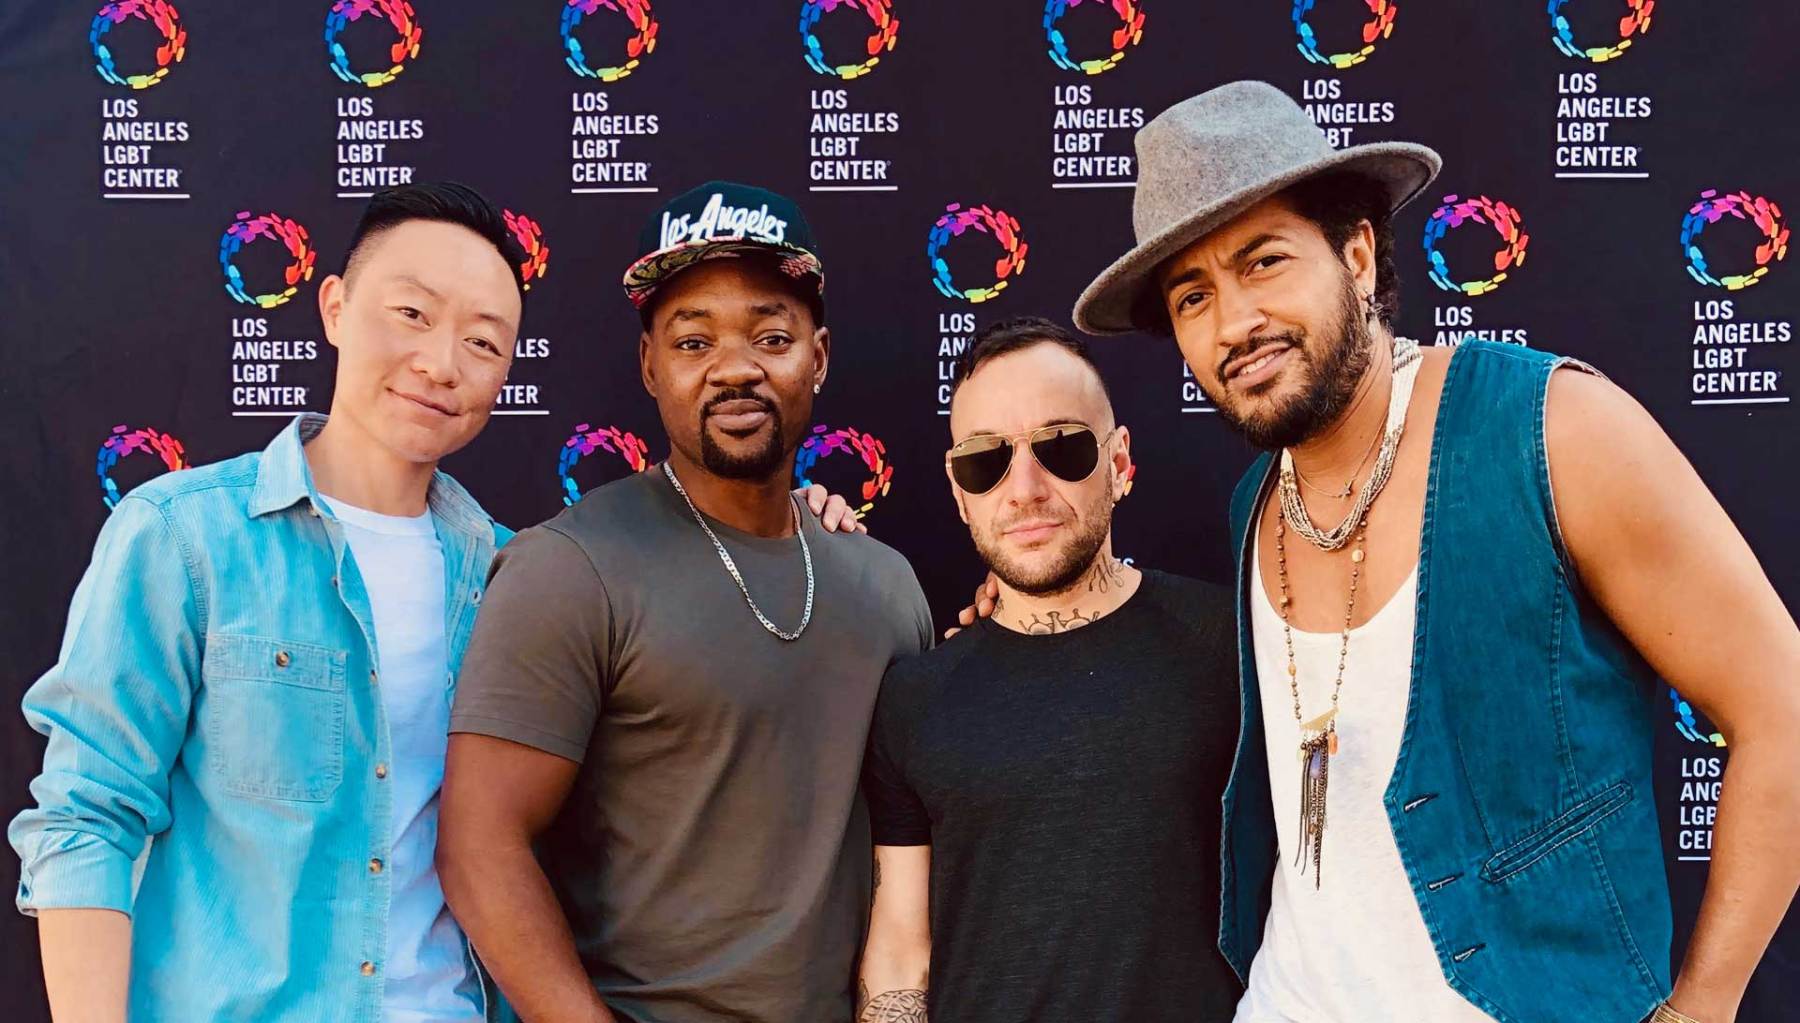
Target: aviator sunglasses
1068 451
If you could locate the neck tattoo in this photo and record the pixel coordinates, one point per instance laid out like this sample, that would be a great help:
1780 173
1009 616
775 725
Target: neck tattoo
1107 575
1108 572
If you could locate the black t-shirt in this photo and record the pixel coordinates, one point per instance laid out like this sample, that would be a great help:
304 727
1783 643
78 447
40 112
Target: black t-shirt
1069 788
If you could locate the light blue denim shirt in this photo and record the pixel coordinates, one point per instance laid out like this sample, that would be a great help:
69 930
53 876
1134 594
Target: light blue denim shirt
216 692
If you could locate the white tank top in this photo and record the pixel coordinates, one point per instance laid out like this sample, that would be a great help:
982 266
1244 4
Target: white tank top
1355 949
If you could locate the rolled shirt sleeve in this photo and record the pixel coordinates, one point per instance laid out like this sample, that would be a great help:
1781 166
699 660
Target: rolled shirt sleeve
115 708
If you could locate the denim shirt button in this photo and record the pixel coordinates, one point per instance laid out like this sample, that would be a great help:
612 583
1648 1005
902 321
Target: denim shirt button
475 598
375 866
368 969
282 659
381 770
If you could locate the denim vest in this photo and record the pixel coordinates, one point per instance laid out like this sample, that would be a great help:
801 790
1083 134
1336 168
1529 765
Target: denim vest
1521 797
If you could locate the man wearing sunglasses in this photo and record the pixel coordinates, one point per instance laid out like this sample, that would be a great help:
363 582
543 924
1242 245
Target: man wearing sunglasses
1044 788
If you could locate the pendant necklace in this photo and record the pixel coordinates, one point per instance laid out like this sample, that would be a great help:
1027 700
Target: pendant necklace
1319 736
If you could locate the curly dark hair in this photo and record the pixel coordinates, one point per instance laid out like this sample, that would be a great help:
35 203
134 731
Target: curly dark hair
1336 204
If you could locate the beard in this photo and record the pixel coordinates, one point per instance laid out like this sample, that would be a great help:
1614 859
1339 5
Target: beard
1328 380
758 464
1071 563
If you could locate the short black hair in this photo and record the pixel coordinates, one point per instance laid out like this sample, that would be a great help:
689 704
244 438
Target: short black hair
449 202
1011 335
806 289
1335 203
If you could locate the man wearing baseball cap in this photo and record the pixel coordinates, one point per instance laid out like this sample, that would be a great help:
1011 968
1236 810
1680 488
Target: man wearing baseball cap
1461 572
651 808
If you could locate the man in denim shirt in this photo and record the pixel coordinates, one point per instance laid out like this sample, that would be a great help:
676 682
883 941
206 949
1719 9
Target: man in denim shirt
220 688
257 672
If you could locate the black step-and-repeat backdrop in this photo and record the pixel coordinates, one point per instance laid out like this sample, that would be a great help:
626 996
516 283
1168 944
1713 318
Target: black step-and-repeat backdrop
177 179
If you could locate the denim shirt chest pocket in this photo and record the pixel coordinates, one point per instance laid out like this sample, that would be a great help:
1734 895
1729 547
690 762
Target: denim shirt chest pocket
274 717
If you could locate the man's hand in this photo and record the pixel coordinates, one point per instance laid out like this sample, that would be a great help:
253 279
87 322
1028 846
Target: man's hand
832 511
987 598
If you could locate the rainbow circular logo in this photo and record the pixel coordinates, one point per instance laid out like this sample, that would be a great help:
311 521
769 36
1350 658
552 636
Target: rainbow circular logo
585 441
1379 26
1710 209
824 442
640 44
1636 22
125 441
157 12
1688 723
530 236
246 229
1453 214
987 220
404 48
1130 32
885 35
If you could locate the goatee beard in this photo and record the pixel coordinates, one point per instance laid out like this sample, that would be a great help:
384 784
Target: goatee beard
760 464
1328 389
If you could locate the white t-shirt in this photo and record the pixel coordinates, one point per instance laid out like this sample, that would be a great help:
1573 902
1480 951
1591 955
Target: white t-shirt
1354 949
429 979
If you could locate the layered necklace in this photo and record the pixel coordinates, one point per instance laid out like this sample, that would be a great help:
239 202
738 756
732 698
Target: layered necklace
1318 737
731 566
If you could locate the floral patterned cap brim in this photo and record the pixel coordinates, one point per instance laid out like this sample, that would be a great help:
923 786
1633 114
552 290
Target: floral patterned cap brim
643 277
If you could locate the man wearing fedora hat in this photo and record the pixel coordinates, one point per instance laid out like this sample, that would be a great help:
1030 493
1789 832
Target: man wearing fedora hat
1441 806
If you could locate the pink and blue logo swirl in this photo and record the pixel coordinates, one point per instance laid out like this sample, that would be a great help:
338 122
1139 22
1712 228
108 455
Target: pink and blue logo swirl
124 442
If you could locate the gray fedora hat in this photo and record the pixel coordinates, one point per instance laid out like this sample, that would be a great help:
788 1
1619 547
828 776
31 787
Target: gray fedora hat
1207 159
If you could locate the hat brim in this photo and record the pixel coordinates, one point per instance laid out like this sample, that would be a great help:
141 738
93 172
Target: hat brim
649 272
1106 306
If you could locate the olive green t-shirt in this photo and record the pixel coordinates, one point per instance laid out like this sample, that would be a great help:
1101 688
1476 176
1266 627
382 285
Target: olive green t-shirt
713 857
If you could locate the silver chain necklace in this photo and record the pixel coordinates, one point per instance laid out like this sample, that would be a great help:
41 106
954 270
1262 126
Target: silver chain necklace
1293 505
730 566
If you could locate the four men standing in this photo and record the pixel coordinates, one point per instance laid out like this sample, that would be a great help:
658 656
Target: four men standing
669 762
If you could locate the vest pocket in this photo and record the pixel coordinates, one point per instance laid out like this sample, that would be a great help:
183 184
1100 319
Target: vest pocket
274 717
1565 827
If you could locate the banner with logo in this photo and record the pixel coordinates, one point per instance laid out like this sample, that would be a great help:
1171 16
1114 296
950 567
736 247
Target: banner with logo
179 177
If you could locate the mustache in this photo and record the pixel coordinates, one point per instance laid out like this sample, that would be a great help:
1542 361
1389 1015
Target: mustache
1003 525
735 394
1292 338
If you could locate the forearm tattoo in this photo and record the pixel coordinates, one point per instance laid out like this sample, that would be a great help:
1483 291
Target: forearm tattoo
893 1007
